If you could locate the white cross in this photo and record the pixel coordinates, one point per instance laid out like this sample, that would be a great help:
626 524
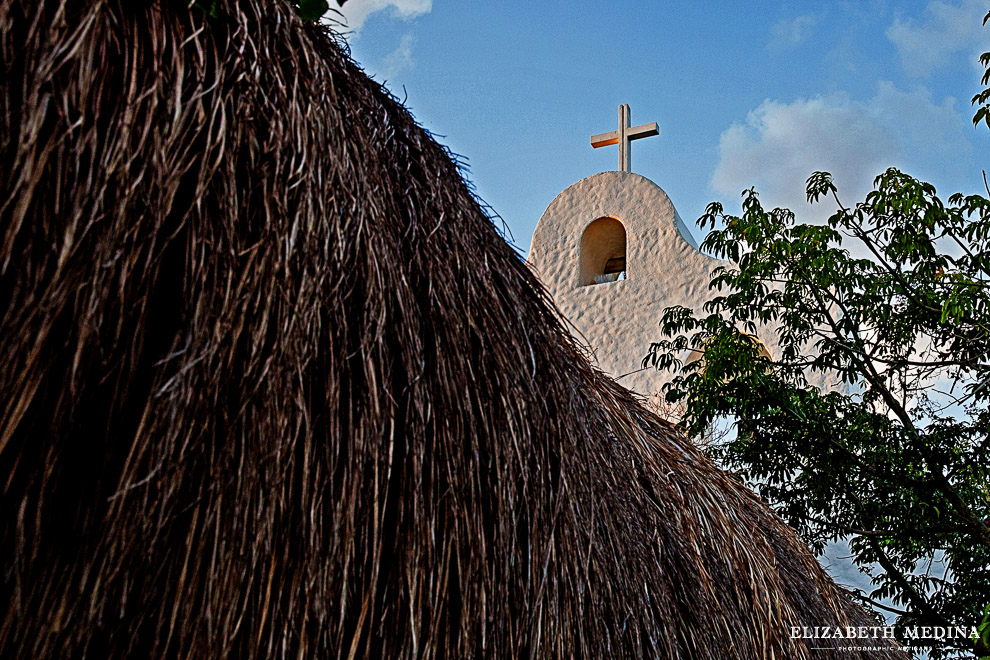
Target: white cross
624 136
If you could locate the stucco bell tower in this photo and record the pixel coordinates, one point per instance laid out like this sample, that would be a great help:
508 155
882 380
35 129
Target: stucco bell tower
613 252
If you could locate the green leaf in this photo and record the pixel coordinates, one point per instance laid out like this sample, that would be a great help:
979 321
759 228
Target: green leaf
312 10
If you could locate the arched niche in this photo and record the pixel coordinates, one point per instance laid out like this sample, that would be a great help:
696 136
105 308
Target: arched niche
603 252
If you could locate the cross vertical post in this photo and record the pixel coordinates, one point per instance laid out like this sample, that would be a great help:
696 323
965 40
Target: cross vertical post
624 160
624 136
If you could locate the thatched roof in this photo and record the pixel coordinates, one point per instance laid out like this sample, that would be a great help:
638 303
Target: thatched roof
274 386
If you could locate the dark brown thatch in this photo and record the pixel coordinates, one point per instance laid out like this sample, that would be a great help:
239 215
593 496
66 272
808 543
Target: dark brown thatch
273 385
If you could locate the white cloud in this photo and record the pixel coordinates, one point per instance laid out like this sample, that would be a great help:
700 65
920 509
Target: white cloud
945 30
399 59
781 144
356 11
791 31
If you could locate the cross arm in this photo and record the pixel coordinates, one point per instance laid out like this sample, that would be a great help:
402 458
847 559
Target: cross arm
605 139
643 131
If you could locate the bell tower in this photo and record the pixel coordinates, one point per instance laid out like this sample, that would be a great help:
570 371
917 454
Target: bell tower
613 252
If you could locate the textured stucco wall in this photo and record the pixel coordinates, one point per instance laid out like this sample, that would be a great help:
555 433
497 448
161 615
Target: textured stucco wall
619 320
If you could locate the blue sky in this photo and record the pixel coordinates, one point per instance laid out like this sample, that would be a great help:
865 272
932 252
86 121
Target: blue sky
746 94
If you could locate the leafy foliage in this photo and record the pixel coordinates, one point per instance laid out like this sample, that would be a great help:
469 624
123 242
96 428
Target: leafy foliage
982 100
983 630
312 10
896 458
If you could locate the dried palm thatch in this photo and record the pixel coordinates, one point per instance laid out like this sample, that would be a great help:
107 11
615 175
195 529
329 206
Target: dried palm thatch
274 386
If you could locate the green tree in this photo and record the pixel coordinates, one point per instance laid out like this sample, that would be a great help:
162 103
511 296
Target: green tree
899 463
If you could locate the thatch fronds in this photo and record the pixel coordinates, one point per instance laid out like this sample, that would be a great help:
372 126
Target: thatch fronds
273 385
